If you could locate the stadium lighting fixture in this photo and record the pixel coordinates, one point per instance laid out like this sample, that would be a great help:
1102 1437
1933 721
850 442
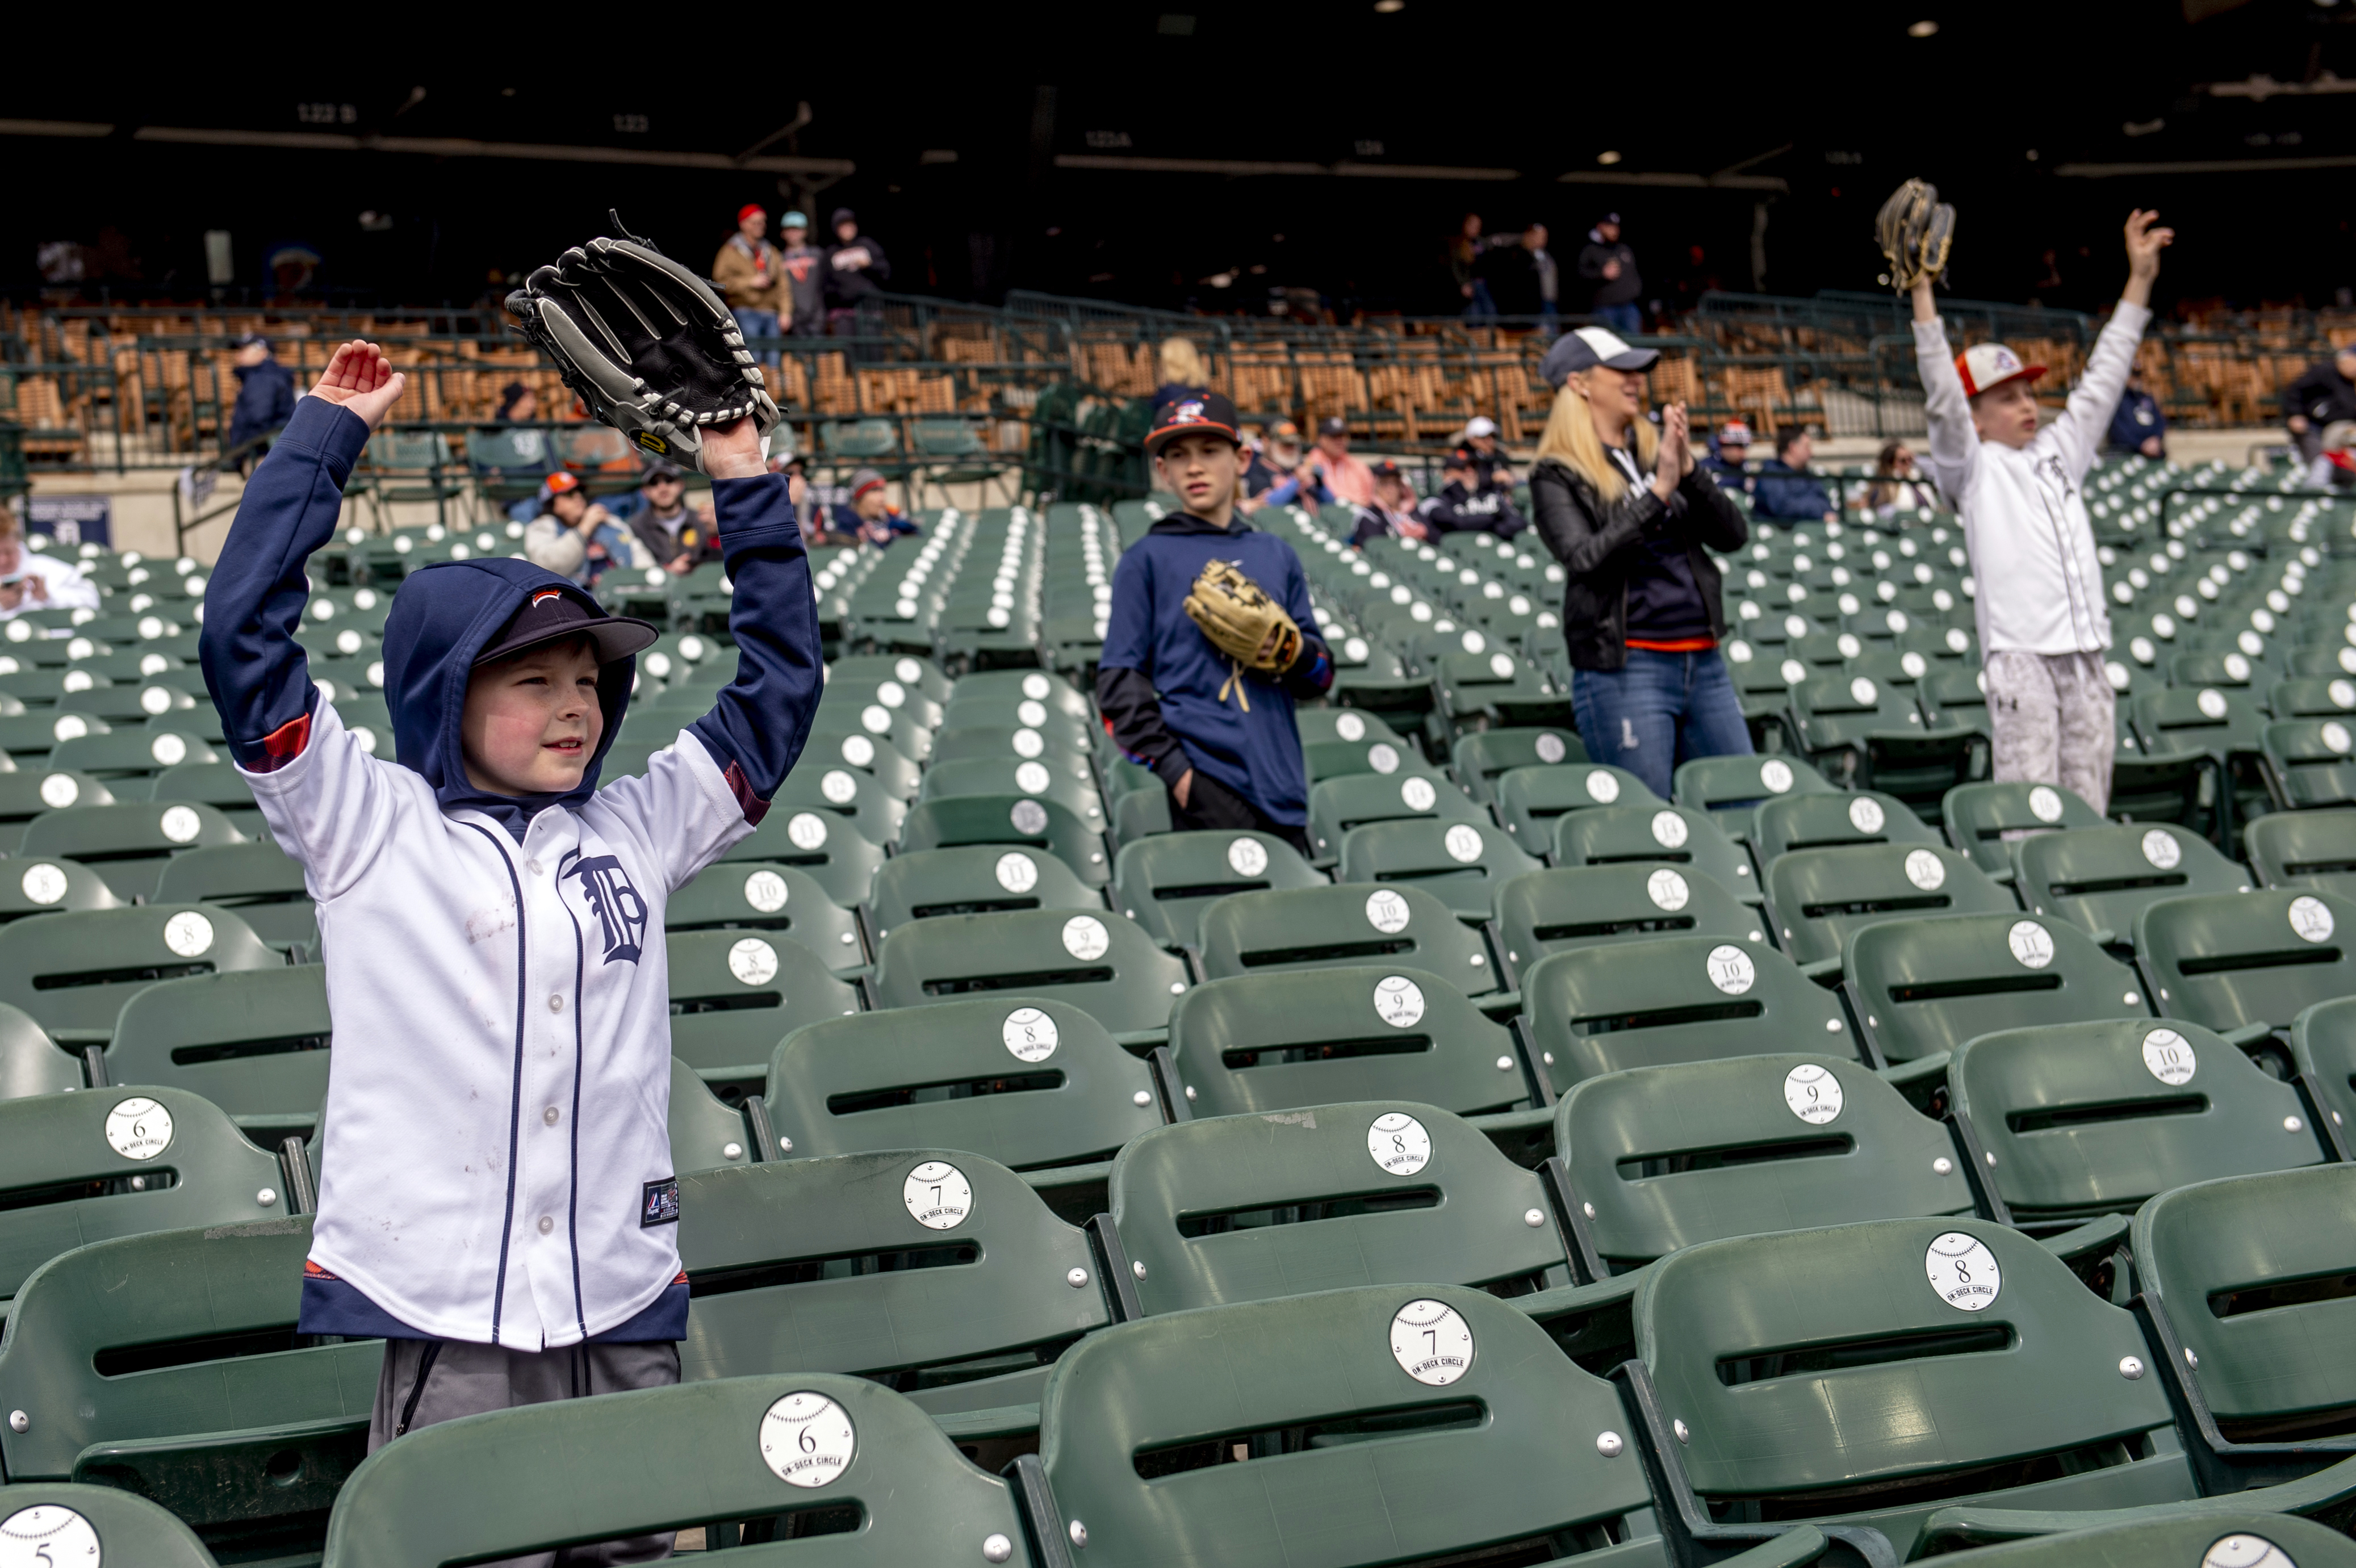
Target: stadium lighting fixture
1607 158
1922 29
1386 7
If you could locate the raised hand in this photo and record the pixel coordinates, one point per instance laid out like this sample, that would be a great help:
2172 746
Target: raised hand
2145 243
362 379
732 450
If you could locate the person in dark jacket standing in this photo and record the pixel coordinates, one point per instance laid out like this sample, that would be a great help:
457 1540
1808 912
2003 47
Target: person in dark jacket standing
1465 504
1221 737
1785 492
265 393
805 265
856 271
1610 264
2137 424
2323 396
1629 514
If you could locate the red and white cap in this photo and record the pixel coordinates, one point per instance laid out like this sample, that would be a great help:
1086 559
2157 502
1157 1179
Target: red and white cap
1986 365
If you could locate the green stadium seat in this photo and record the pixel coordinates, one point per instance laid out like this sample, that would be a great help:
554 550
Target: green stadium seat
216 784
1045 824
2303 849
1480 758
905 735
848 796
1022 686
940 1273
1462 864
971 878
72 1522
1978 816
1662 1157
166 1365
29 887
2217 1535
1579 906
1059 729
2312 698
854 692
1351 1454
1820 898
2101 879
1313 928
706 1132
2323 1055
2308 760
73 973
834 854
627 1464
129 755
2233 961
1099 961
1165 881
1591 1011
254 1043
784 901
1728 788
1832 821
1660 835
1250 1208
734 995
919 675
30 1061
1316 1036
855 747
1337 805
1920 986
1030 1081
260 881
1530 800
1068 780
1324 759
127 845
1871 733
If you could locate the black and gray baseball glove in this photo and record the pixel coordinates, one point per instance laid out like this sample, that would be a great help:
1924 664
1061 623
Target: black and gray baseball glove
645 343
1915 231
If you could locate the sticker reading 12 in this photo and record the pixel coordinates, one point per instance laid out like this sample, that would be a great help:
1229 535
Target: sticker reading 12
1399 1144
807 1439
1963 1271
1432 1342
938 1195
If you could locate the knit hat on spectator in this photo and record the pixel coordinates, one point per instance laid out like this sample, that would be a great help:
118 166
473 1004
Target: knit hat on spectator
1587 348
1209 415
749 209
1985 366
864 481
1734 432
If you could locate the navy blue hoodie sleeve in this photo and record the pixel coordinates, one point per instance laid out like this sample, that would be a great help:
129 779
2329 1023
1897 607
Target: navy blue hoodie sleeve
755 729
254 666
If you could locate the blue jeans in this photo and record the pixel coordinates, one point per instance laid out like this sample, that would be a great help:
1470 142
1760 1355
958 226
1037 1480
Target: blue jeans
1624 319
753 324
1659 711
1480 306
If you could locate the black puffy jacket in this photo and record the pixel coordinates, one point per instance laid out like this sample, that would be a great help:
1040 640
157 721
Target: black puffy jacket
1600 545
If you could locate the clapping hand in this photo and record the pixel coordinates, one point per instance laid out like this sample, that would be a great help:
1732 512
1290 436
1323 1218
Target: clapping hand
362 379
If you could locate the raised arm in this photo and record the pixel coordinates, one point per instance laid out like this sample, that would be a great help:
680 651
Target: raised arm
2079 430
1954 444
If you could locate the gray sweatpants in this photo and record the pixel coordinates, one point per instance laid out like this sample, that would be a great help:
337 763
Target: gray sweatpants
426 1381
2054 720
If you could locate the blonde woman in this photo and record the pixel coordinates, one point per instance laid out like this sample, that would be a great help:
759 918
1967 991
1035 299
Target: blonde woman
1628 513
1183 375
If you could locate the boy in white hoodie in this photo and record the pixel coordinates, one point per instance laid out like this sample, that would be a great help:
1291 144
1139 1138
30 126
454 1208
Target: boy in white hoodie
2042 624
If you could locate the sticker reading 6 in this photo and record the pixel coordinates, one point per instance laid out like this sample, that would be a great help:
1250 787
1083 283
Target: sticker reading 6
139 1129
1432 1342
807 1439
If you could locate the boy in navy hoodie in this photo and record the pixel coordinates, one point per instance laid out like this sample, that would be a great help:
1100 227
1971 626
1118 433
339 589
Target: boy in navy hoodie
1222 740
500 1202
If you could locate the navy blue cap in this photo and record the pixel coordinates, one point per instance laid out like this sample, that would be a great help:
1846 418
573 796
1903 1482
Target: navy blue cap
1209 412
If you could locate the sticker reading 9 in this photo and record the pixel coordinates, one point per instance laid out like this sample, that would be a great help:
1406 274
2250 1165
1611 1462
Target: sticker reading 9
807 1440
139 1129
1030 1035
2167 1055
1398 1001
1812 1092
1432 1342
1963 1271
1386 911
1248 857
1086 938
47 1536
938 1195
1399 1144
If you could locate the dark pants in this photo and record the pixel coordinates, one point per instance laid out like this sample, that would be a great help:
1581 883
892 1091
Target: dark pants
1624 319
1212 807
1658 711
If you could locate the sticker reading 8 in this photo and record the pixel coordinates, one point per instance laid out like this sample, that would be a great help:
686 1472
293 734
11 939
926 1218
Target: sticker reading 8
1812 1092
938 1195
1963 1271
47 1535
2169 1057
1030 1035
807 1439
139 1129
1398 1001
1399 1144
1432 1342
43 882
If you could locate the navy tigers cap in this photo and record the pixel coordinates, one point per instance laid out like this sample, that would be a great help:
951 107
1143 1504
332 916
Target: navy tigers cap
1206 412
551 615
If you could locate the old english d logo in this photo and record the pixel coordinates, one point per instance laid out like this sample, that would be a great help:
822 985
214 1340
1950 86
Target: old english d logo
621 913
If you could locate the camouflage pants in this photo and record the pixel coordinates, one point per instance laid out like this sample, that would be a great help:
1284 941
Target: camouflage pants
2053 718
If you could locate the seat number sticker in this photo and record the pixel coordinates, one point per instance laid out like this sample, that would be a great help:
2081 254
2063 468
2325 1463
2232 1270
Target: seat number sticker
938 1195
1432 1342
807 1440
1399 1144
1963 1271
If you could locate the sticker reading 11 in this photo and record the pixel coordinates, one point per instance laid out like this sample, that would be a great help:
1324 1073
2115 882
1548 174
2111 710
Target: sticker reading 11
1963 1271
1432 1342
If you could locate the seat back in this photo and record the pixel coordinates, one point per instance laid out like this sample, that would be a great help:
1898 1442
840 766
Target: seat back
1323 760
784 901
2323 1048
1348 724
1413 1423
734 995
30 1061
2303 849
1035 822
1349 924
2175 719
127 843
1248 1208
1580 906
971 878
1068 780
2230 959
2211 1536
260 881
1317 1037
1832 821
1655 836
1479 759
2310 759
2101 879
254 1043
2233 1265
834 854
1029 1082
73 972
1098 961
1667 1156
1822 897
706 1132
51 887
2312 697
1461 863
1528 800
1787 1382
1164 881
1728 788
82 1522
1925 985
2093 1118
1336 806
1978 816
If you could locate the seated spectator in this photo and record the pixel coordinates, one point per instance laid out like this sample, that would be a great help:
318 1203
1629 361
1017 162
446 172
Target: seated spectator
1392 513
2324 394
1466 506
265 395
1727 452
750 273
1488 459
2339 454
1787 493
576 538
869 516
2137 424
673 535
1898 486
1348 477
518 405
30 579
1275 459
1182 375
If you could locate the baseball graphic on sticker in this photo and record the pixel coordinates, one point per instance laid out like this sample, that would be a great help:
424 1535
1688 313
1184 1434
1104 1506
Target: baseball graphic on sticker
807 1440
1030 1034
2245 1550
2169 1057
1812 1092
1349 725
1029 817
43 883
1398 1001
1462 842
839 787
1668 889
1731 969
1925 869
1963 1271
938 1195
1603 787
1029 744
1866 815
1669 830
1417 793
1386 911
2160 848
752 961
2031 943
1086 938
1035 688
139 1129
189 934
1032 778
1550 747
1432 1342
1248 857
1399 1144
1775 775
807 829
1383 757
2311 918
2045 804
47 1536
766 892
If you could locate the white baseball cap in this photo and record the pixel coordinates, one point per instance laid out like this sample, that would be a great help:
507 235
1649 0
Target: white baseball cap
1985 366
1481 424
1587 348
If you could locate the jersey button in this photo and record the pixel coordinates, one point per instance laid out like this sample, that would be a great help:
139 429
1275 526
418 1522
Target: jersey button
532 866
555 1004
549 1115
546 1224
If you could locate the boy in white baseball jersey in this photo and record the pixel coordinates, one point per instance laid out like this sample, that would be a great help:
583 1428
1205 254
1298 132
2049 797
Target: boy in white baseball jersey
2042 624
499 1201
